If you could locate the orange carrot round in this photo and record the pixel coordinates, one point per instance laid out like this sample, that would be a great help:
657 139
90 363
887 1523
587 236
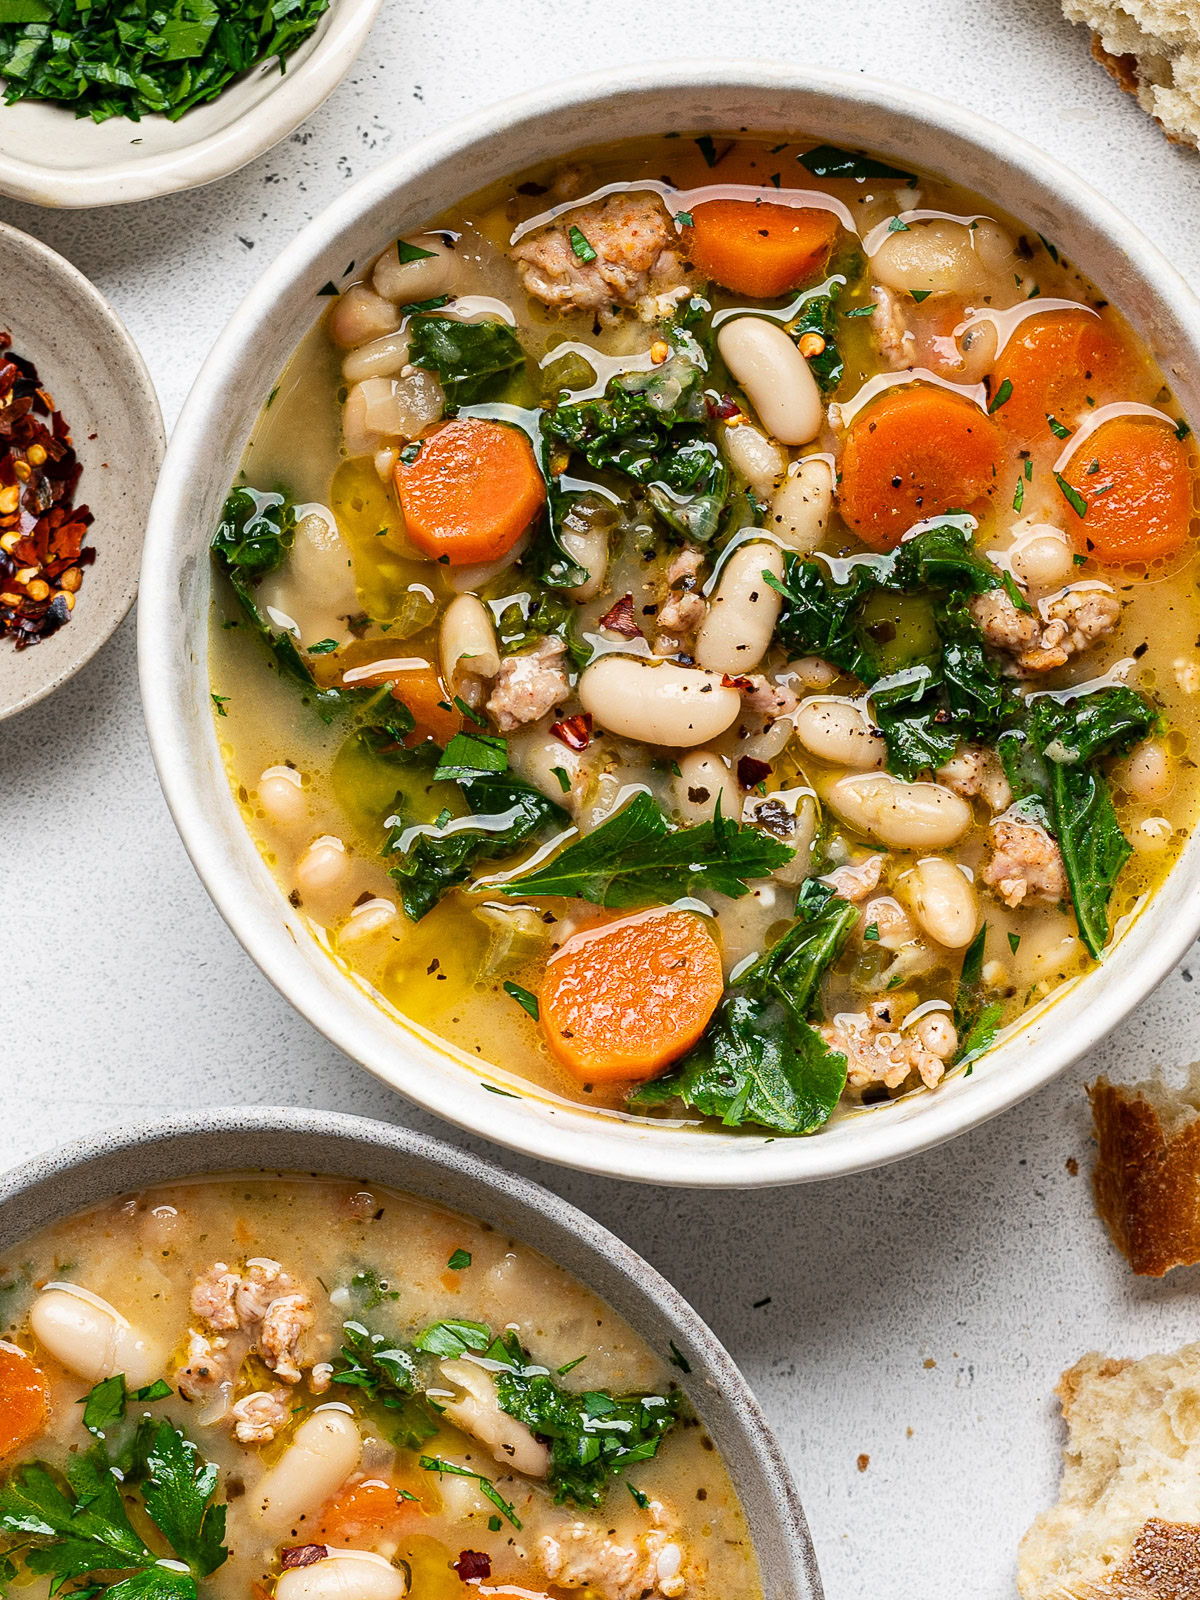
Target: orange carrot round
1134 477
470 492
759 249
24 1399
1053 363
364 1514
433 708
620 1002
911 454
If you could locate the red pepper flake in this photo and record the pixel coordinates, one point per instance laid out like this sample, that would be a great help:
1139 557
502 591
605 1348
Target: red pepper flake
721 410
575 732
621 619
473 1564
752 772
303 1555
741 684
42 554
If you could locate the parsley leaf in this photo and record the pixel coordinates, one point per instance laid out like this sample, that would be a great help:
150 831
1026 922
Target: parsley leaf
472 755
104 1405
386 1373
635 858
827 161
178 1495
976 1021
527 1001
486 1486
458 1260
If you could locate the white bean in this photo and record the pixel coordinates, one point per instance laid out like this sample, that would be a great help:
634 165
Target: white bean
343 1575
810 672
943 902
791 815
1149 771
477 1412
704 779
91 1338
467 642
322 867
742 614
382 358
361 315
891 922
281 794
370 917
1043 557
775 376
837 731
939 256
907 816
590 549
314 589
379 409
659 703
533 754
407 281
800 506
1151 836
755 457
323 1453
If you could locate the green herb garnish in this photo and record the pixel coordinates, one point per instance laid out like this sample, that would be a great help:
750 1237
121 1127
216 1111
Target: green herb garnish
527 1001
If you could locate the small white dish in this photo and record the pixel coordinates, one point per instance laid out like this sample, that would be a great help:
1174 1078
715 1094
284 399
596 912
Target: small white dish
206 450
87 362
50 157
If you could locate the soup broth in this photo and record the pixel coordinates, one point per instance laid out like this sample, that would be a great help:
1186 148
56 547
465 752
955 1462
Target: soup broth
386 1398
732 626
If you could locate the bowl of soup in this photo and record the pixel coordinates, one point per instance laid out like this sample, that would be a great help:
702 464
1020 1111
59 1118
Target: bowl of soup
324 1357
673 628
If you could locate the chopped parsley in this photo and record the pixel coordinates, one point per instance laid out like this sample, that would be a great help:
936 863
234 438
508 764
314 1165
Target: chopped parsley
1001 396
1057 428
527 1001
581 245
459 1260
486 1486
1071 495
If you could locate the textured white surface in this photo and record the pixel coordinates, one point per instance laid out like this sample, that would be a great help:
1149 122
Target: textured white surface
941 1297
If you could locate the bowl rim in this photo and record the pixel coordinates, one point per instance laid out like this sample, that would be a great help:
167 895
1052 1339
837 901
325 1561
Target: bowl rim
157 1150
577 1139
66 281
297 94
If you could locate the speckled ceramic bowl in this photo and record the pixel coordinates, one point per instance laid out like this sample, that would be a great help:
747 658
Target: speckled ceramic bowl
99 382
204 456
283 1139
53 158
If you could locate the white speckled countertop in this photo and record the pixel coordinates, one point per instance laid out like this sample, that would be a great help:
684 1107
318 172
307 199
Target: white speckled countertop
917 1316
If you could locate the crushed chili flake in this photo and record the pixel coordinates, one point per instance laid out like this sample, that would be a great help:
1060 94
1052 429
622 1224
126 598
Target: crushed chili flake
722 409
42 531
473 1564
740 683
752 772
575 732
620 619
303 1555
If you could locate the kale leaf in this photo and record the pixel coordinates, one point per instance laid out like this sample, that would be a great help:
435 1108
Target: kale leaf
650 427
429 859
386 1373
474 361
1052 765
255 533
760 1061
976 1020
818 315
636 858
592 1434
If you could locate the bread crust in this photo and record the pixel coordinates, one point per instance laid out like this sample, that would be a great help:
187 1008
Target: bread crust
1146 1180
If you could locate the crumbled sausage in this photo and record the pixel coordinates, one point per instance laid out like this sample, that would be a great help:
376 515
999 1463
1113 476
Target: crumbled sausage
262 1309
681 610
877 1052
529 684
209 1365
769 699
856 879
284 1324
1025 864
213 1296
636 258
897 343
976 770
580 1556
1070 624
258 1417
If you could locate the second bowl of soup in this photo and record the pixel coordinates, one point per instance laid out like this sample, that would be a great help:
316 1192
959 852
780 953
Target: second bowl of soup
703 633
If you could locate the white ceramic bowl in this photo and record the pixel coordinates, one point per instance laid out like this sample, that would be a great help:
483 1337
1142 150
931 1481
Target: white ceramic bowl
93 1169
52 158
98 380
204 456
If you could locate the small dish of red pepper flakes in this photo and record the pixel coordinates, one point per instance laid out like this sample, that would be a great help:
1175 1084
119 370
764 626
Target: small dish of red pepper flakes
42 530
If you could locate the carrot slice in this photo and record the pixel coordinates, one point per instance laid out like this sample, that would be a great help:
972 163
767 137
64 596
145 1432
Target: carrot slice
759 249
911 454
470 492
1135 481
1053 363
425 695
620 1002
364 1514
24 1399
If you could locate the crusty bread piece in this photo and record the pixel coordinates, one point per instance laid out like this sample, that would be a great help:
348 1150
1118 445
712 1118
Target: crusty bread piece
1152 49
1127 1523
1147 1174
